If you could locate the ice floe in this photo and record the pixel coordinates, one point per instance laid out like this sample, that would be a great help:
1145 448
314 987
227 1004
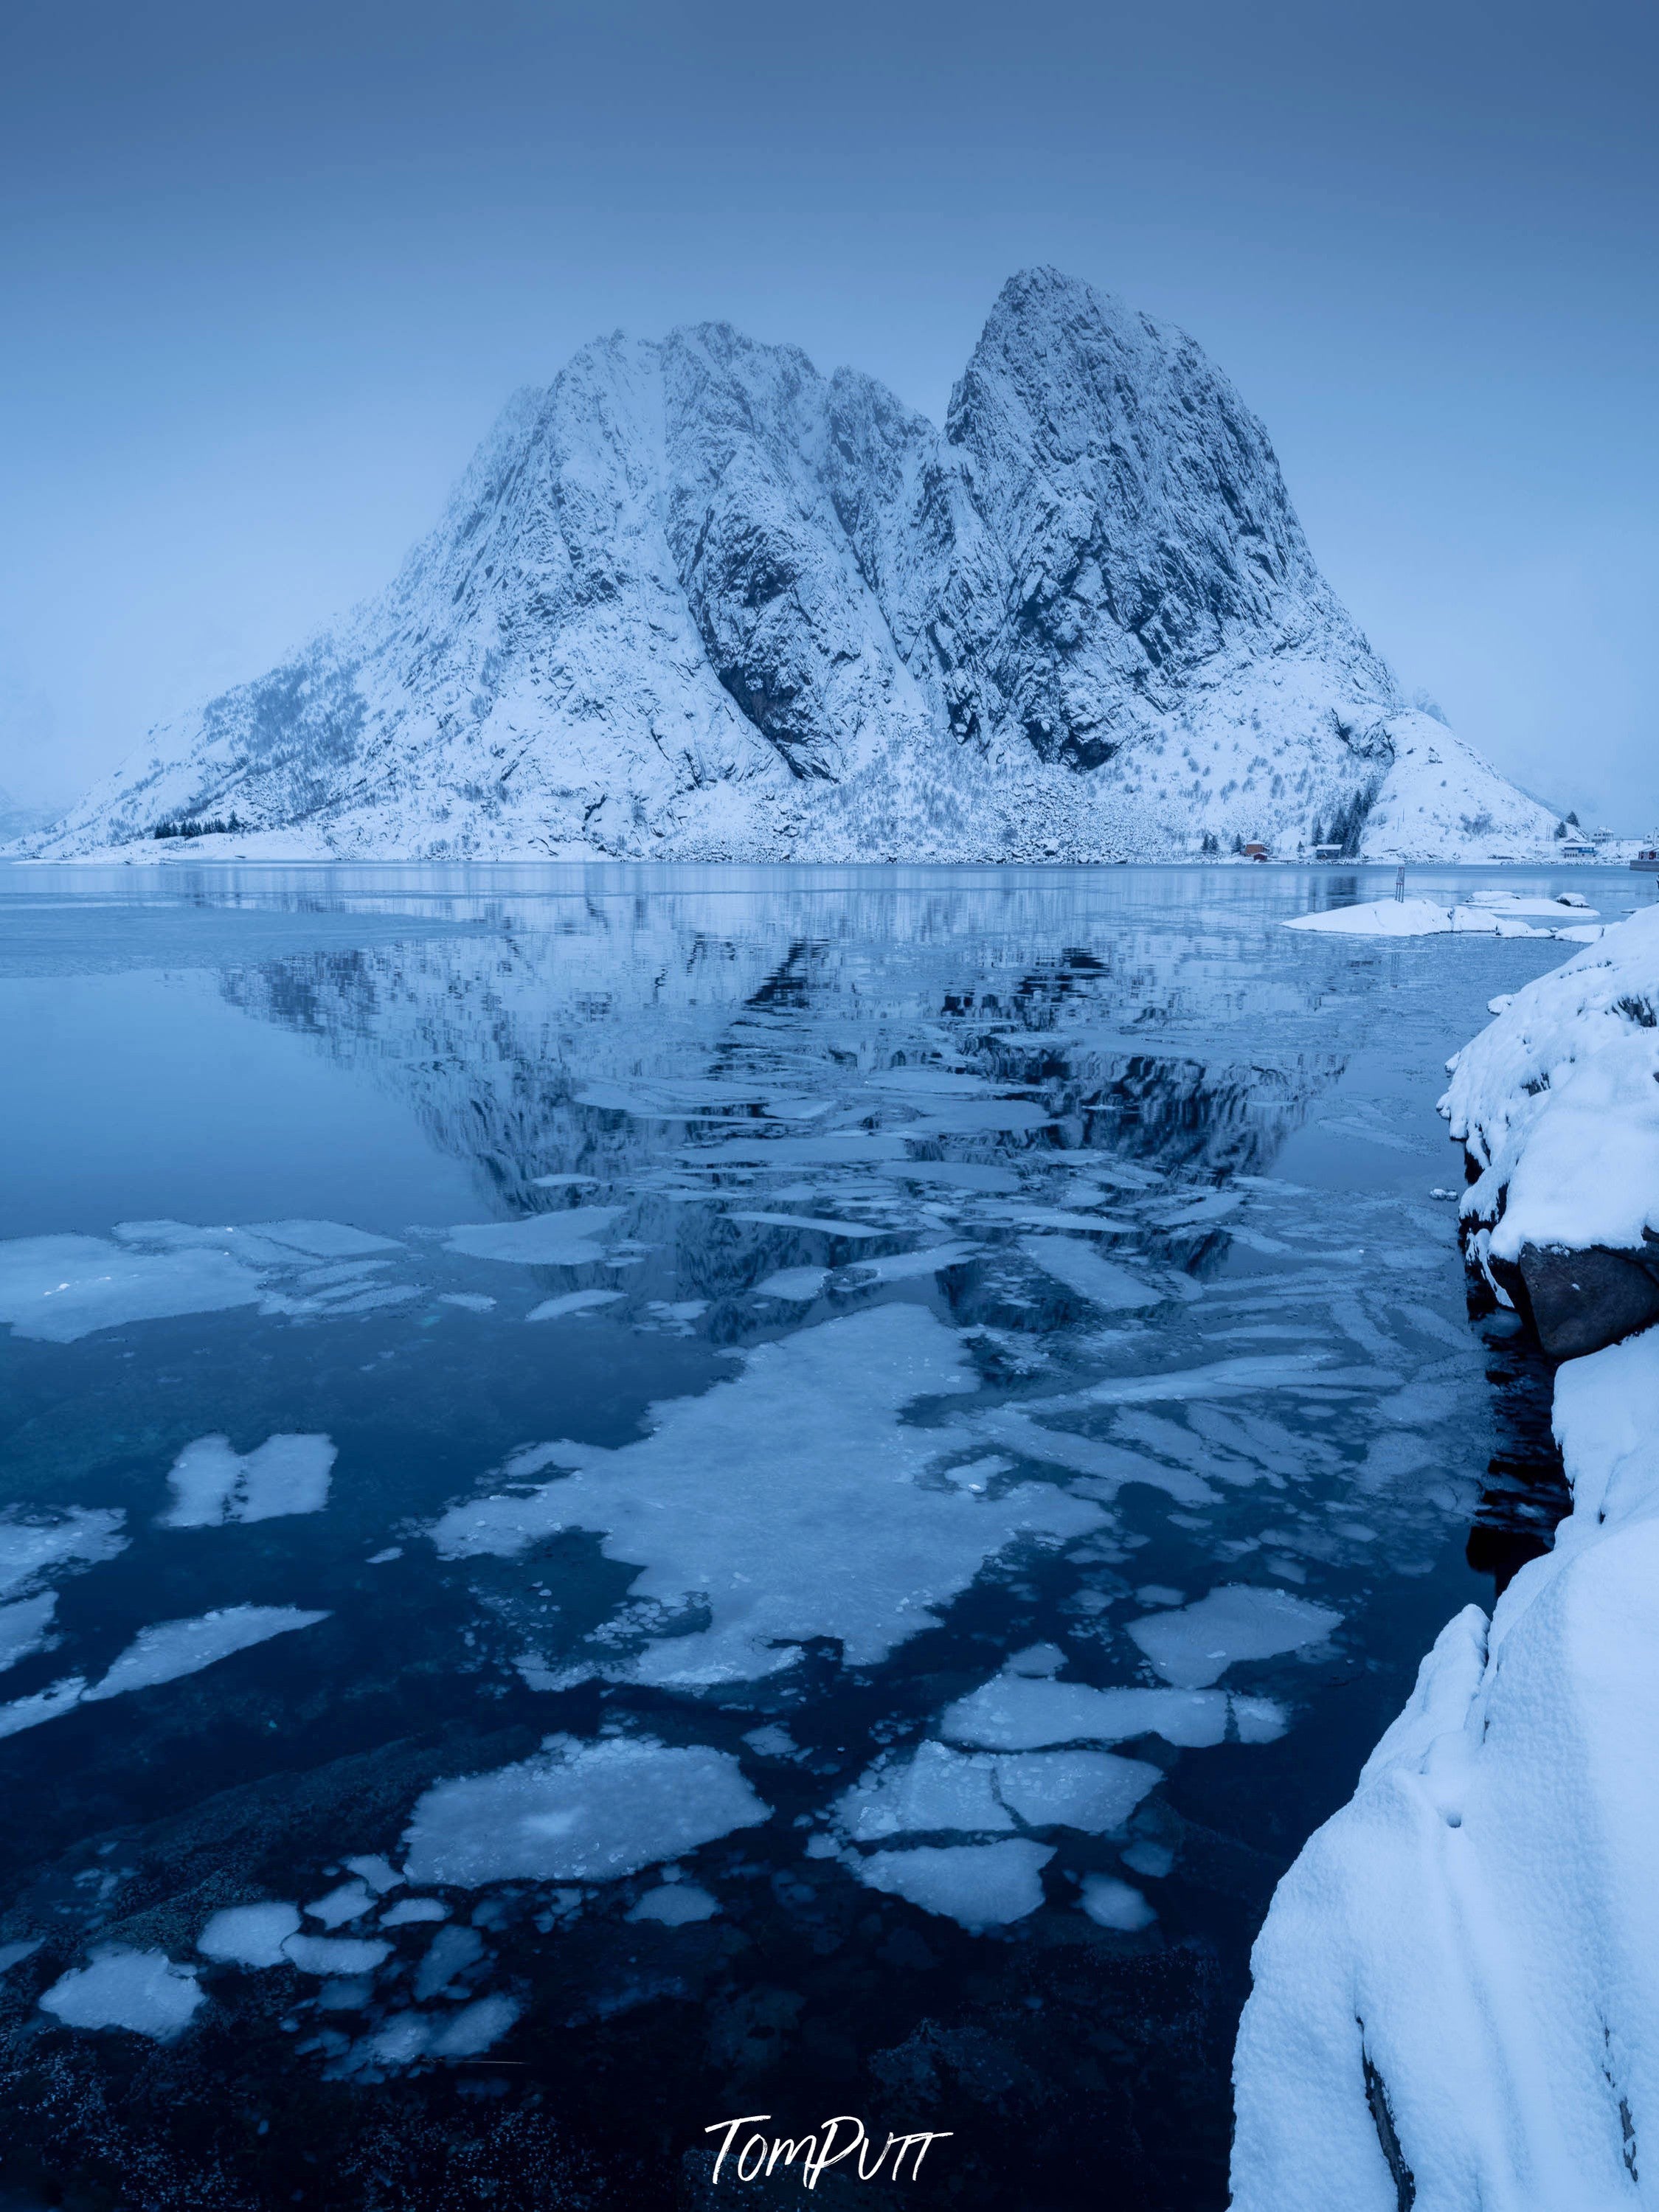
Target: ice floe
43 1705
77 1537
569 1238
1412 917
1145 1857
1016 1712
453 1953
379 1873
953 1175
676 1904
324 1240
1222 1378
211 1483
335 1954
475 2028
249 1935
24 1626
62 1288
161 1653
1094 1791
347 1902
979 1885
795 1285
1195 1646
931 1788
171 1649
787 1502
1110 1903
934 1790
579 1812
1415 917
908 1266
824 1226
572 1302
141 1991
409 1910
1103 1283
1107 1465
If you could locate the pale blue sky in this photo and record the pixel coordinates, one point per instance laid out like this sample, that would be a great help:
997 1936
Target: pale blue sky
269 272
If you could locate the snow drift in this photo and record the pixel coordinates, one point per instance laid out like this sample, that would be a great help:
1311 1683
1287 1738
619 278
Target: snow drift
696 600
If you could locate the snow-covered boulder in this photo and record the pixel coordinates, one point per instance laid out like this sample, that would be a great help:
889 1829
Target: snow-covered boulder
1556 1105
696 600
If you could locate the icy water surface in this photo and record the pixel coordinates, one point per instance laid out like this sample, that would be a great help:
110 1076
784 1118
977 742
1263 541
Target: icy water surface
633 1498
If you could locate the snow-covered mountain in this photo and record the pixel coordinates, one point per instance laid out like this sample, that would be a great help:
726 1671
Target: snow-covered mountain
696 600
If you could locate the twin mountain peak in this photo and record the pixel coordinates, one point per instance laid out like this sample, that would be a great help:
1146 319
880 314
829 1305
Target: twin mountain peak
694 600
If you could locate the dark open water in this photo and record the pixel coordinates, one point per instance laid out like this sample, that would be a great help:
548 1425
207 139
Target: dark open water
698 1728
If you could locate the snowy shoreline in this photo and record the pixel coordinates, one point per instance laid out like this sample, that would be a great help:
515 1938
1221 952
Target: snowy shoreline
1453 2002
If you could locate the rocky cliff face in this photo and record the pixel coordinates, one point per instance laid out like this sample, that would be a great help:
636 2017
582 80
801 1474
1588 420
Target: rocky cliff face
697 600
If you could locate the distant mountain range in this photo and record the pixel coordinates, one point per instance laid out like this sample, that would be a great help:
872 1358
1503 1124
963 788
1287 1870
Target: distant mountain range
694 600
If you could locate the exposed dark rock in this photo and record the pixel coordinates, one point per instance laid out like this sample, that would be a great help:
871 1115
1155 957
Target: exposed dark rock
1577 1302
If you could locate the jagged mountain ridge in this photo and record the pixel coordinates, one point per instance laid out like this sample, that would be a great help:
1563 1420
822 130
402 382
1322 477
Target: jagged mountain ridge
696 600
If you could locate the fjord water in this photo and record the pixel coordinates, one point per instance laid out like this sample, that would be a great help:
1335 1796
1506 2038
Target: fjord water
931 1285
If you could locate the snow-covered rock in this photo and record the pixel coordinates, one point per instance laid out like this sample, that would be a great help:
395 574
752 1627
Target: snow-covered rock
696 600
1513 1073
1557 1104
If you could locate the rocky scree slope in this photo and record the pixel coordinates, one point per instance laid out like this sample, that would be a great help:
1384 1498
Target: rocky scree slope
696 600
